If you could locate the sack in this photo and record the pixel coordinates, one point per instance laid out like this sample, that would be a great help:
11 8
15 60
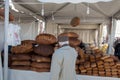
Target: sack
46 39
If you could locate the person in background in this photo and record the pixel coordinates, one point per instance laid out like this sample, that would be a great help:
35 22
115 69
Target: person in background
82 45
117 50
116 46
63 61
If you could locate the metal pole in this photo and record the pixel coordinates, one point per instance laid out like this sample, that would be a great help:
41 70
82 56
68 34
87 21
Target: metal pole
1 72
112 36
6 25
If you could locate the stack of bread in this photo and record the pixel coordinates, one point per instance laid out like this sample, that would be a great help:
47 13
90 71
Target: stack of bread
41 60
98 64
21 56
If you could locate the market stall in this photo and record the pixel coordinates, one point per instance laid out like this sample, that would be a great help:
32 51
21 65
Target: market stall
94 14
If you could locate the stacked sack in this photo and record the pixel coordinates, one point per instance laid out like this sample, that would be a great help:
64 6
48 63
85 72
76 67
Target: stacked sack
98 64
74 42
41 60
21 56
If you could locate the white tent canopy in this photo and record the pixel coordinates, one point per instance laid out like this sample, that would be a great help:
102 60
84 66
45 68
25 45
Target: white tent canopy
73 1
99 12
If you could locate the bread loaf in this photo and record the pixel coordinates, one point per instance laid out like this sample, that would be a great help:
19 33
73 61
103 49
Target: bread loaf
105 57
99 63
28 42
44 50
40 65
20 67
46 39
21 63
20 57
74 42
40 70
69 34
26 48
75 21
93 65
38 58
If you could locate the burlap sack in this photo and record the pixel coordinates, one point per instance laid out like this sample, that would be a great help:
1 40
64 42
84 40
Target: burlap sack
44 50
46 39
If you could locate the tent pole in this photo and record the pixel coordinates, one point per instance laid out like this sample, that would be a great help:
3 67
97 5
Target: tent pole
6 24
112 36
1 72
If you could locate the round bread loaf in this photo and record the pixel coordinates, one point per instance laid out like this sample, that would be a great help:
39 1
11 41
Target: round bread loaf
26 48
74 42
38 58
20 67
75 21
40 65
28 42
44 50
20 57
70 34
46 39
40 70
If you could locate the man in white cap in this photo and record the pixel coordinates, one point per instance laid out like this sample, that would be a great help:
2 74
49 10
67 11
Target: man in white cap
63 61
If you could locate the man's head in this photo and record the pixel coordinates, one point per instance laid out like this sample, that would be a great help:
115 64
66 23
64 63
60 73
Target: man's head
63 40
